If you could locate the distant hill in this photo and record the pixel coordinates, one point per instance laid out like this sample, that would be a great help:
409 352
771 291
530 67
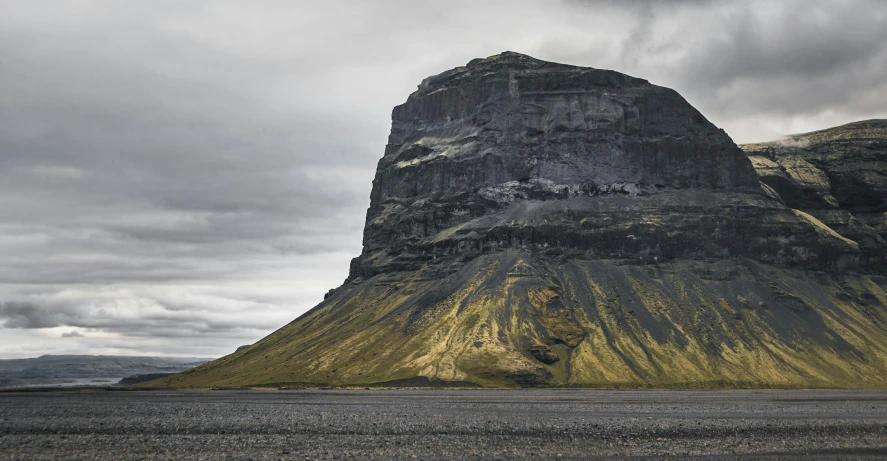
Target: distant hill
86 370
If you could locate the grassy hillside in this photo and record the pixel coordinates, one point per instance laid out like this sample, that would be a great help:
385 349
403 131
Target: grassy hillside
513 319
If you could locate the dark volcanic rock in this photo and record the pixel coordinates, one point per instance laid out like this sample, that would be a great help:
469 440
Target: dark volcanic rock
846 166
539 224
837 175
513 152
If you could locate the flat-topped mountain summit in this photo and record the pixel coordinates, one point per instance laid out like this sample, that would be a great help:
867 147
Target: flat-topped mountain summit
480 156
540 224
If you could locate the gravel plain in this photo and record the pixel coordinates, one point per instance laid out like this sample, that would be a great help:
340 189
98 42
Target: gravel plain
439 424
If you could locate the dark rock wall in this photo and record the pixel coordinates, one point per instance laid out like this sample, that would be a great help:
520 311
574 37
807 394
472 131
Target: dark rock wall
838 175
513 152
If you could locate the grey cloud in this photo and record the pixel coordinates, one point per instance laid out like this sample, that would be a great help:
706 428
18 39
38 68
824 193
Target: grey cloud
27 315
802 40
169 166
759 69
156 318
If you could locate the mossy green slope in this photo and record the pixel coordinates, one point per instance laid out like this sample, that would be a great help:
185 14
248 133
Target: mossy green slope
518 319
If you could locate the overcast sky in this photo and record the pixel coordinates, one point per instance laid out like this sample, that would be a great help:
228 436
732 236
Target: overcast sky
181 177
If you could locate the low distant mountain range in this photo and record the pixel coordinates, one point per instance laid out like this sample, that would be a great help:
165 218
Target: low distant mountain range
87 370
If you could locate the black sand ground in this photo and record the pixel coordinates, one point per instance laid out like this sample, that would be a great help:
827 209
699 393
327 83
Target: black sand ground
443 424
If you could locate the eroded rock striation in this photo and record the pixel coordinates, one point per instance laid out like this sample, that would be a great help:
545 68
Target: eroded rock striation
540 224
838 175
513 152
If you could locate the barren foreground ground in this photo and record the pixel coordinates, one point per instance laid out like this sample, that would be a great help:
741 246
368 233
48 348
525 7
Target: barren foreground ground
443 424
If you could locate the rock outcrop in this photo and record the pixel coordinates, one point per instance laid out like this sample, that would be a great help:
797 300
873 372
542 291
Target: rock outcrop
539 224
838 175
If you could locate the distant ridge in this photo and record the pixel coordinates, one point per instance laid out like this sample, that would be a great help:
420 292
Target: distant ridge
86 370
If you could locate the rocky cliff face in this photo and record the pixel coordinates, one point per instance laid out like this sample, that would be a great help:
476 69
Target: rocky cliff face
838 175
513 152
538 224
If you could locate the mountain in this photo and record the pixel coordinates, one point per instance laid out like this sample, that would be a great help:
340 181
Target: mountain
540 224
838 175
85 370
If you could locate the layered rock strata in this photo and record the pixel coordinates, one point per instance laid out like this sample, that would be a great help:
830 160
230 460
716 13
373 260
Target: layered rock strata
539 224
838 175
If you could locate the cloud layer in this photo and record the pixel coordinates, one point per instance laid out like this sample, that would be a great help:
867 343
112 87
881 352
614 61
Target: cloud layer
185 177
